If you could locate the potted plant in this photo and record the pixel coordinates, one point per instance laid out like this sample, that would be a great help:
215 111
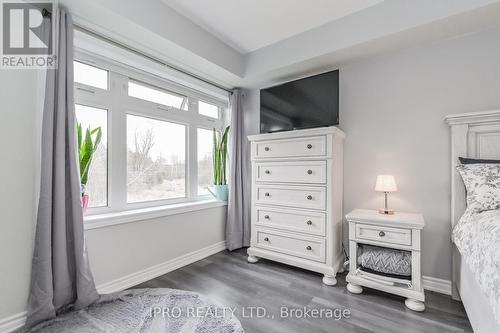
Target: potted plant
87 146
219 164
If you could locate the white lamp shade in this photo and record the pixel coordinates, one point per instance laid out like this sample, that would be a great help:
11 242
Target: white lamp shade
386 183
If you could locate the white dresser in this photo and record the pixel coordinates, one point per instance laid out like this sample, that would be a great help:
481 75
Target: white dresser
297 185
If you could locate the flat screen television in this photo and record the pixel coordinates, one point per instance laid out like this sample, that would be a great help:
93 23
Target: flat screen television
305 103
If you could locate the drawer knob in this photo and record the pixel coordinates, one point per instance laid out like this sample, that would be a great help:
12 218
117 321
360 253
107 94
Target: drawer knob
309 222
308 248
267 194
266 239
268 172
266 217
309 197
309 172
266 148
381 234
309 146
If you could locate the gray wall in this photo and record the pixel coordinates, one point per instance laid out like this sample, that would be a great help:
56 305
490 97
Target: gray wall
17 182
392 110
117 251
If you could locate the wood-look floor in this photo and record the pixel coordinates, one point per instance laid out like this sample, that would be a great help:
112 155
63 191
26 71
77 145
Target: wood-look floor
227 279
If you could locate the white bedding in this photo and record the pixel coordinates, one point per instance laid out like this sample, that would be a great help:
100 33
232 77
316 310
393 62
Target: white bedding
477 237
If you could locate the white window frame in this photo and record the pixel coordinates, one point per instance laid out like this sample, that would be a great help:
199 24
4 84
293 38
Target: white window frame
118 104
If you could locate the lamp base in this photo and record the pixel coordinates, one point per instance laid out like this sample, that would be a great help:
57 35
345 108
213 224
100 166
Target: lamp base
386 211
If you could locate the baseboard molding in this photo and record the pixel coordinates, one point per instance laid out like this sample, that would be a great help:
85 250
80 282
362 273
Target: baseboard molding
16 321
160 269
438 285
12 323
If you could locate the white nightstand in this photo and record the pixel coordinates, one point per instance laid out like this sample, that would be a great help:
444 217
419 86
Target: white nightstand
399 231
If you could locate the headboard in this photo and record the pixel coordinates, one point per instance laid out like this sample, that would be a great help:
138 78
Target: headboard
474 135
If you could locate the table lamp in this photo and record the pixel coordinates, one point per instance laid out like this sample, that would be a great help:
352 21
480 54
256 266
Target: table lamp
386 184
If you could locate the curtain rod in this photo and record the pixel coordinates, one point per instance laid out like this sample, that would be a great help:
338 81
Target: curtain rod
147 56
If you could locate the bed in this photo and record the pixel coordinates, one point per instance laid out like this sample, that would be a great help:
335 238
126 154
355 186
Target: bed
475 281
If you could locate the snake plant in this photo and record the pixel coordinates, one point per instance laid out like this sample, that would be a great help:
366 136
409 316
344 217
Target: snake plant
87 146
220 156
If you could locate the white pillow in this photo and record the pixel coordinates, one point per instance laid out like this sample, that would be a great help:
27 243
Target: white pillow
482 182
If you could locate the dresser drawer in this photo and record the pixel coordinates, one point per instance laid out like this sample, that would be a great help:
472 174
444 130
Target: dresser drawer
292 172
291 219
383 234
296 147
299 246
293 196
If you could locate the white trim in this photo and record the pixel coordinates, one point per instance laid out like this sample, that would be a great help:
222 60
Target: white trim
135 215
16 321
473 117
438 285
12 323
160 269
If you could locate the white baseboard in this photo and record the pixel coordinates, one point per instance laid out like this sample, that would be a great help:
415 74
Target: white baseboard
438 285
16 321
152 272
12 323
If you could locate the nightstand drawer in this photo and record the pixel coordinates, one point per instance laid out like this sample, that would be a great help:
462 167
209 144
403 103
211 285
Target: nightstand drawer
383 234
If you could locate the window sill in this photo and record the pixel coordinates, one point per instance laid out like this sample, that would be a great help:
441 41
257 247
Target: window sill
129 216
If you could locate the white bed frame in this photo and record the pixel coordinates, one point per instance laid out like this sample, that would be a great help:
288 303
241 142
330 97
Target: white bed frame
473 135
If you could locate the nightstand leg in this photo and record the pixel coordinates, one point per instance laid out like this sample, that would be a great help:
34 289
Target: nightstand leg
354 288
414 305
329 280
252 259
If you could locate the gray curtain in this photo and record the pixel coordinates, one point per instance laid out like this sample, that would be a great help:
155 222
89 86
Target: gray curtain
238 211
60 275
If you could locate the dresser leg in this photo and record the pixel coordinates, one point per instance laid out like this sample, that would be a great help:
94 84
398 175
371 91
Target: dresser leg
329 280
252 259
354 288
414 305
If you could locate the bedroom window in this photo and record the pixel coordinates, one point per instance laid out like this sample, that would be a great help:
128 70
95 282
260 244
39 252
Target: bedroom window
156 159
208 109
156 148
97 186
90 75
205 168
147 93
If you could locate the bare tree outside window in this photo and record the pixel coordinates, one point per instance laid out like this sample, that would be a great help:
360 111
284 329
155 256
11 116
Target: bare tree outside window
156 162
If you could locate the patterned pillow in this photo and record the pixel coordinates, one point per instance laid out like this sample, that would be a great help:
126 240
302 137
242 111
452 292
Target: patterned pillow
482 182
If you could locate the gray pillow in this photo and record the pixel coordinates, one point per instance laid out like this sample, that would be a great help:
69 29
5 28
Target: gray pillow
482 182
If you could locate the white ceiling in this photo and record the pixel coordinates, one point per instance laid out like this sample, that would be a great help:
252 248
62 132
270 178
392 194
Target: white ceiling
248 25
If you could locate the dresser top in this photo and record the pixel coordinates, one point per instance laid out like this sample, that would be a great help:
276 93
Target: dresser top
399 219
337 132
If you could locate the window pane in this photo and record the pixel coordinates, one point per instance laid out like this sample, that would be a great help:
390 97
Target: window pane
205 167
156 95
156 159
97 185
208 110
90 75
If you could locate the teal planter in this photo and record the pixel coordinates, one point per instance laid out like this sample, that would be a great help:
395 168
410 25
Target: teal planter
220 192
